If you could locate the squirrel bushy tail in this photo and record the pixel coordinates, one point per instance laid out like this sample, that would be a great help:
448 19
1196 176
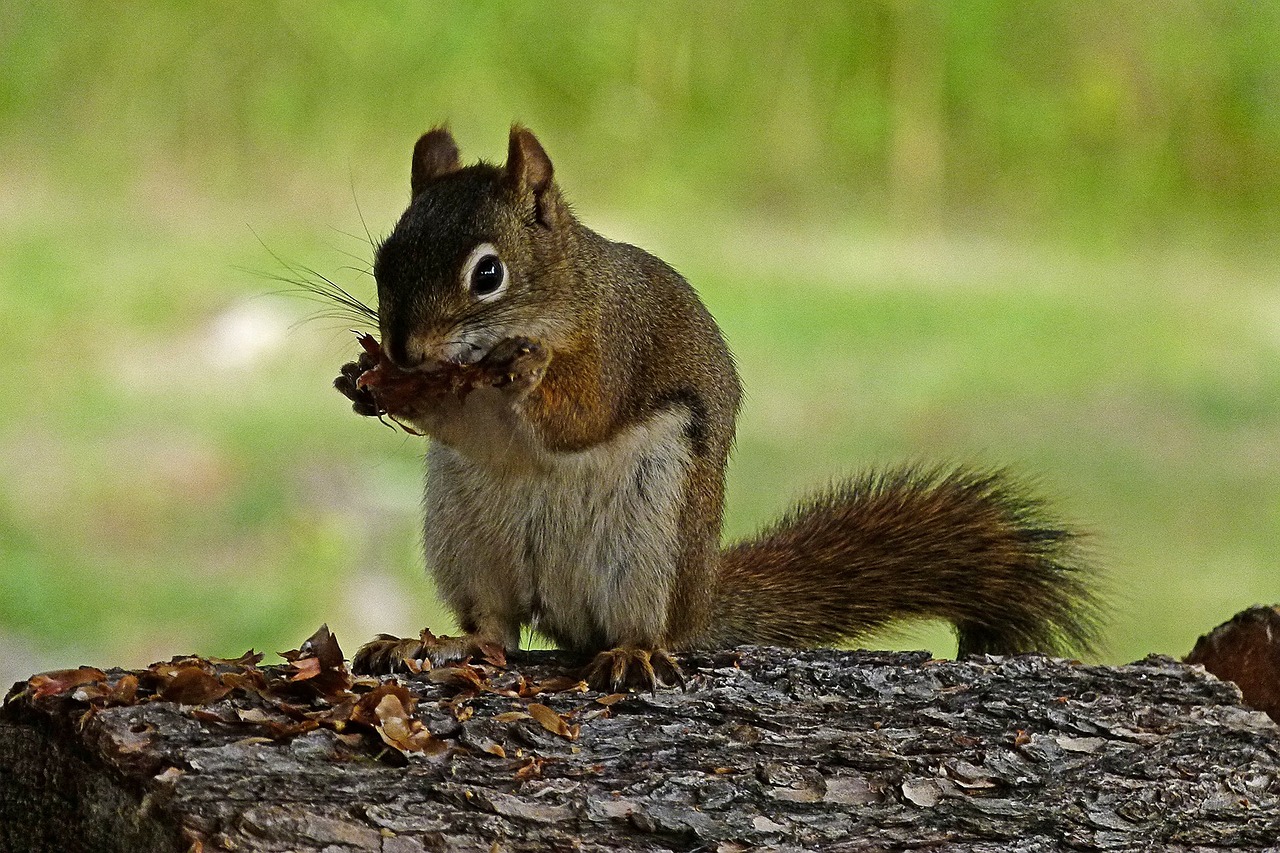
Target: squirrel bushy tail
967 546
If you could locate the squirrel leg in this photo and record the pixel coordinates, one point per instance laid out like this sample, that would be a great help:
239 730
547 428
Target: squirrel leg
631 668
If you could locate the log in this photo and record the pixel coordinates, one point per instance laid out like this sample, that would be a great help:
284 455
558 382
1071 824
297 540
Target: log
1246 650
767 748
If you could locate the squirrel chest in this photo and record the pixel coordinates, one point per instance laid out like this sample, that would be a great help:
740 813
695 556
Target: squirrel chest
582 545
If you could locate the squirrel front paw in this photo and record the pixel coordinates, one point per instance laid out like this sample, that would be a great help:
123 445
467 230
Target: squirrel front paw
632 668
362 400
515 365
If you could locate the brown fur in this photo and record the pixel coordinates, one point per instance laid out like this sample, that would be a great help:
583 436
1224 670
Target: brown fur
964 546
635 357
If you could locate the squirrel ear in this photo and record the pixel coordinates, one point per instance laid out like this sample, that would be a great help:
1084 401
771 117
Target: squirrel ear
529 170
435 154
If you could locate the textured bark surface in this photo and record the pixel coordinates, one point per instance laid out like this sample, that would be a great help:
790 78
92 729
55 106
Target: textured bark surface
768 748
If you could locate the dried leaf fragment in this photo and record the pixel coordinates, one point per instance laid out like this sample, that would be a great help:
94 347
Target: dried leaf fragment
559 684
531 769
510 716
319 664
305 668
552 722
191 685
400 730
169 775
366 710
60 681
124 691
458 676
493 653
246 660
323 645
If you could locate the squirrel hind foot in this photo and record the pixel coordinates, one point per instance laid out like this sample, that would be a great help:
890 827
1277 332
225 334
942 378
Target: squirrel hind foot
385 654
628 668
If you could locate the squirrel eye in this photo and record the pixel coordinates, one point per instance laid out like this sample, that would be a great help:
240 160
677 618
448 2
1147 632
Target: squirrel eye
484 273
487 276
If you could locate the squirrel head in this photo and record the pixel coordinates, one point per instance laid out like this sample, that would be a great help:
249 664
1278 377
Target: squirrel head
477 257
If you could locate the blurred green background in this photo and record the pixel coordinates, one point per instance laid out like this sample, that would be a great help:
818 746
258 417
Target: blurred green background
1034 233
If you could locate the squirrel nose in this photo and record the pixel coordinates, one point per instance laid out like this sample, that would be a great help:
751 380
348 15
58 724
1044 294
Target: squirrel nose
405 356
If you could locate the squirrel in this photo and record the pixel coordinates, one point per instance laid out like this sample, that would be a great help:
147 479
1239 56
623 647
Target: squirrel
577 486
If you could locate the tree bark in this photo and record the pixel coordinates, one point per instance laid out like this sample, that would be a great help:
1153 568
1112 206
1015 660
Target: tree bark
1246 651
767 748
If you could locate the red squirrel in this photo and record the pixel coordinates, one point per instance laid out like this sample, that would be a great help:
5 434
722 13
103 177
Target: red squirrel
575 479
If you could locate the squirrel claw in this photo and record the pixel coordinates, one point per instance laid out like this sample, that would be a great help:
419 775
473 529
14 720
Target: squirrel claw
629 668
516 364
671 672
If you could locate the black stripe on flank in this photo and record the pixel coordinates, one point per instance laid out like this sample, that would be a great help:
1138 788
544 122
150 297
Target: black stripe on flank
642 476
696 429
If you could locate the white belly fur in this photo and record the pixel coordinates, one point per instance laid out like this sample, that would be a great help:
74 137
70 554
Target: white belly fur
582 545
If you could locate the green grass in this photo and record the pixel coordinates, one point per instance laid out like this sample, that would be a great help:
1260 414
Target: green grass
1040 235
1151 417
1104 119
163 499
